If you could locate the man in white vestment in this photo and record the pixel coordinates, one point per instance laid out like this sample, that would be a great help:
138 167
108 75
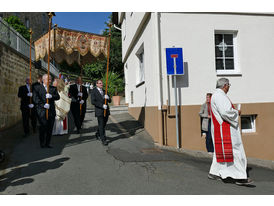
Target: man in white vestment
229 160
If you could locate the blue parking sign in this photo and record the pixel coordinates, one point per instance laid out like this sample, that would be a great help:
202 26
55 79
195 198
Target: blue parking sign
174 61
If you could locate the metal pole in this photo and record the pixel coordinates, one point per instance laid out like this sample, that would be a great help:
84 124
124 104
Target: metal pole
176 112
176 106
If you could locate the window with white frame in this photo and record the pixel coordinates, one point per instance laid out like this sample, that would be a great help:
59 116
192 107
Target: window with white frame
248 123
225 53
141 66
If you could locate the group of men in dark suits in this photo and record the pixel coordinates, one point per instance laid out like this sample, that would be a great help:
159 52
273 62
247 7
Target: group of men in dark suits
36 103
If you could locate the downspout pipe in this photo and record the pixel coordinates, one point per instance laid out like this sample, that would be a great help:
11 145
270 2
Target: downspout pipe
159 75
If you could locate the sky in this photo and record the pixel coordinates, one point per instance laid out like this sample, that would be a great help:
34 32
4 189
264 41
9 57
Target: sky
93 22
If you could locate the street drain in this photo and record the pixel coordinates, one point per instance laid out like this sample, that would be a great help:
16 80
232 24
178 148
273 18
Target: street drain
151 150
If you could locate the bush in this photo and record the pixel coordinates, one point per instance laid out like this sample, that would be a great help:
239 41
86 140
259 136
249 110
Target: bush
16 23
115 84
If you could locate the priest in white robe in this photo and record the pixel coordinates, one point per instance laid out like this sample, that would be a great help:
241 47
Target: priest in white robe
229 159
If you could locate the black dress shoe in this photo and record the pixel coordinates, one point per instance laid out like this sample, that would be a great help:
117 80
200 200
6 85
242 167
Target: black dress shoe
42 146
97 136
48 146
78 131
105 143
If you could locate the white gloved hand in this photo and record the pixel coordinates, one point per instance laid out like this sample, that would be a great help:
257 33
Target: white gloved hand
105 106
46 106
106 96
29 94
48 96
80 94
31 106
82 102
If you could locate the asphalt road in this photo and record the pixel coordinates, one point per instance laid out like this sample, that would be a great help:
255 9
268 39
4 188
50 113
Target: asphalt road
130 164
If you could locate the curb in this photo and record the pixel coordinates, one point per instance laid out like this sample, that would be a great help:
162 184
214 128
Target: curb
268 164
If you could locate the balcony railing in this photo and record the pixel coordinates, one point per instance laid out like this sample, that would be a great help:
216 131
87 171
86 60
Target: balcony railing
12 38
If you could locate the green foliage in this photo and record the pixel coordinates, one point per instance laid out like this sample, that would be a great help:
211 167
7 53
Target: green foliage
95 71
98 69
115 84
16 23
74 68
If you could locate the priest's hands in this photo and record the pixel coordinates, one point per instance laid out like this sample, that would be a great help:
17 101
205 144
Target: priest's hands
82 102
105 106
31 106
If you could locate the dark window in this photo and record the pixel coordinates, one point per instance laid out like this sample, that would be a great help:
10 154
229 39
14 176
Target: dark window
224 52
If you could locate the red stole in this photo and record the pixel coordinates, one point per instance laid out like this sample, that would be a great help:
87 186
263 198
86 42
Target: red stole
65 124
223 148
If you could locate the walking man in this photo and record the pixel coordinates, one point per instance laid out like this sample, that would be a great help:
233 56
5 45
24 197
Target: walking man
98 97
40 97
229 160
27 107
78 94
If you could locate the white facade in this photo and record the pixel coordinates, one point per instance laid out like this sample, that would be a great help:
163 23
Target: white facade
253 43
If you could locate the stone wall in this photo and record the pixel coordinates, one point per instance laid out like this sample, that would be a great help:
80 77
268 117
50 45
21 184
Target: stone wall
14 68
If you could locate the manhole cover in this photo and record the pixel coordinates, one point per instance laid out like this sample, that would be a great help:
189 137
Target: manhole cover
151 150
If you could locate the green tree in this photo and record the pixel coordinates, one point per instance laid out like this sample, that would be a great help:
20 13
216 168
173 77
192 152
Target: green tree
97 70
16 23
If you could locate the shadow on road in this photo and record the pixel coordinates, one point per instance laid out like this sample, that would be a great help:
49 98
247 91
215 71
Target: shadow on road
20 175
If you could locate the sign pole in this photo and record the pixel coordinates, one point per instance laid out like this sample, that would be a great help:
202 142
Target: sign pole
174 56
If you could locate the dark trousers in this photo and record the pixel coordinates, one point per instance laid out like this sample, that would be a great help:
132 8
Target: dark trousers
45 130
102 122
209 142
78 119
26 116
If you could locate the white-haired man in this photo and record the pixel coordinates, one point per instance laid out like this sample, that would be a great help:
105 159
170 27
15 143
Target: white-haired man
229 159
40 97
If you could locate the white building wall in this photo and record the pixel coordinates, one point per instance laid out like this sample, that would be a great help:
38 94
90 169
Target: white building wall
195 34
255 45
145 94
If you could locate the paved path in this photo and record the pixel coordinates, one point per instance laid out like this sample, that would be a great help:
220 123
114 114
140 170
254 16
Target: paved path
130 164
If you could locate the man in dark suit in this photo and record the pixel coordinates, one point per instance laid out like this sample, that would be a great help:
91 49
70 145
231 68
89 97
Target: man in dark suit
40 97
78 94
27 107
98 97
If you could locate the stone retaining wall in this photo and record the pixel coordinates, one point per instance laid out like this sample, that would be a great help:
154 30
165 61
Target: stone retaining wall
14 68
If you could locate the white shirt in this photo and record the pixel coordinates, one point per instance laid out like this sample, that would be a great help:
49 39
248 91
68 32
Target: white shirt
100 90
28 87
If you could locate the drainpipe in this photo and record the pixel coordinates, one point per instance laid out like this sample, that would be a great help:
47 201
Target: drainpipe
159 76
